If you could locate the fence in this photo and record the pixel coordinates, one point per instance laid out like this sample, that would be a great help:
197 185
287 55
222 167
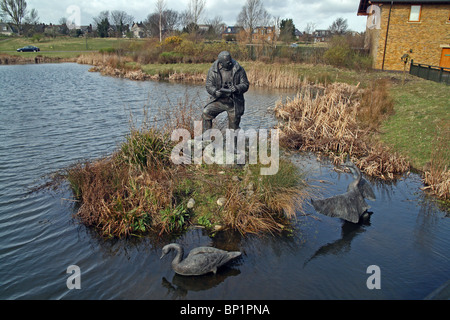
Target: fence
433 73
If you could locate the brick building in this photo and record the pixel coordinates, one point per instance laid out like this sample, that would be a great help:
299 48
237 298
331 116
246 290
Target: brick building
264 35
419 28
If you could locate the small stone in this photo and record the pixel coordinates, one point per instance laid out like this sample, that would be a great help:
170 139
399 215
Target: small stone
191 203
218 227
235 179
221 202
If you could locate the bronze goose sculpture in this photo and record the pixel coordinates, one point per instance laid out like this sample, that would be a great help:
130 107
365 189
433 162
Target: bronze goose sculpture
351 205
199 261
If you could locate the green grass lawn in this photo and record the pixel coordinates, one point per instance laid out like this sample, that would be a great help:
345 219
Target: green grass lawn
422 107
64 47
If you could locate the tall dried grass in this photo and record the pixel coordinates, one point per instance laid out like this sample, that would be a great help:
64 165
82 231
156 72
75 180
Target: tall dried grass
116 66
274 76
267 204
325 119
437 176
138 189
376 104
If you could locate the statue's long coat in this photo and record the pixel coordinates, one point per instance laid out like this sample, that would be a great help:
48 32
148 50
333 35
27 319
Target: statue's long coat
240 81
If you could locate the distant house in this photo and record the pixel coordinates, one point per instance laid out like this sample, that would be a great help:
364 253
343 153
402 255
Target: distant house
86 29
322 35
419 28
138 30
231 33
53 29
6 29
203 28
264 35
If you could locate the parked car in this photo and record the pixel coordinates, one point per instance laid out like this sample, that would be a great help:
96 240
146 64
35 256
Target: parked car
29 49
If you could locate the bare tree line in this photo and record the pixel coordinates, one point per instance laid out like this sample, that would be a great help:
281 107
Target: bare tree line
165 21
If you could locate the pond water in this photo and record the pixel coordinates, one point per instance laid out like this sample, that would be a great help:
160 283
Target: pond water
56 114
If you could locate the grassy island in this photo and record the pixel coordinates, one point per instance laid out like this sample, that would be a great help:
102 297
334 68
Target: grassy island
138 190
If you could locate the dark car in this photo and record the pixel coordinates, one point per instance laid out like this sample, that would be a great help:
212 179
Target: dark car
28 49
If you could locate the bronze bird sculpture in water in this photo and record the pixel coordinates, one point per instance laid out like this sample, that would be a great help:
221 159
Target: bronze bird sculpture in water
199 261
351 205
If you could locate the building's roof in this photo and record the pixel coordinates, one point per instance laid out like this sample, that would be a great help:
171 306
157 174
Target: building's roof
232 30
364 4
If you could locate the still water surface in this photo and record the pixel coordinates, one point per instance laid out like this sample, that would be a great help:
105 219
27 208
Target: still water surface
56 114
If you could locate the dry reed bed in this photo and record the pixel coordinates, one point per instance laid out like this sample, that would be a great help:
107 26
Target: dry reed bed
122 67
259 74
325 120
273 76
437 176
115 66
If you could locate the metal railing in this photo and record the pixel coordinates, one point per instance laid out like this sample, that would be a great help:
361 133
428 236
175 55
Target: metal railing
433 73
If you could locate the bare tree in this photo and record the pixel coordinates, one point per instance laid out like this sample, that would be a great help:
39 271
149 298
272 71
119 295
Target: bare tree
103 15
216 26
16 10
32 17
193 14
170 20
309 30
339 26
160 8
121 20
252 15
102 23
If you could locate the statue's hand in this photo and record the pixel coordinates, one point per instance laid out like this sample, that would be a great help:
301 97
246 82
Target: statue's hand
218 94
233 89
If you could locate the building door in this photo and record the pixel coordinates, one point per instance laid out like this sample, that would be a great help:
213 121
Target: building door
445 58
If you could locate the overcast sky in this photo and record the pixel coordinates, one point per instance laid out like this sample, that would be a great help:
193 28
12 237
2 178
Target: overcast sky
321 12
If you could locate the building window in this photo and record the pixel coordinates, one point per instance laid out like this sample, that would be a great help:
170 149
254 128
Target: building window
414 15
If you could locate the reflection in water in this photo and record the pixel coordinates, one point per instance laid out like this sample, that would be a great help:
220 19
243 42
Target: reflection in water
180 286
349 231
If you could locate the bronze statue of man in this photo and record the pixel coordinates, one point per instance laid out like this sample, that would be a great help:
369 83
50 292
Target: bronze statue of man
226 84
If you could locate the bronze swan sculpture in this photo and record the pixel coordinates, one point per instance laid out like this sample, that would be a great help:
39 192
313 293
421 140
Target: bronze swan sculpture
199 261
351 205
